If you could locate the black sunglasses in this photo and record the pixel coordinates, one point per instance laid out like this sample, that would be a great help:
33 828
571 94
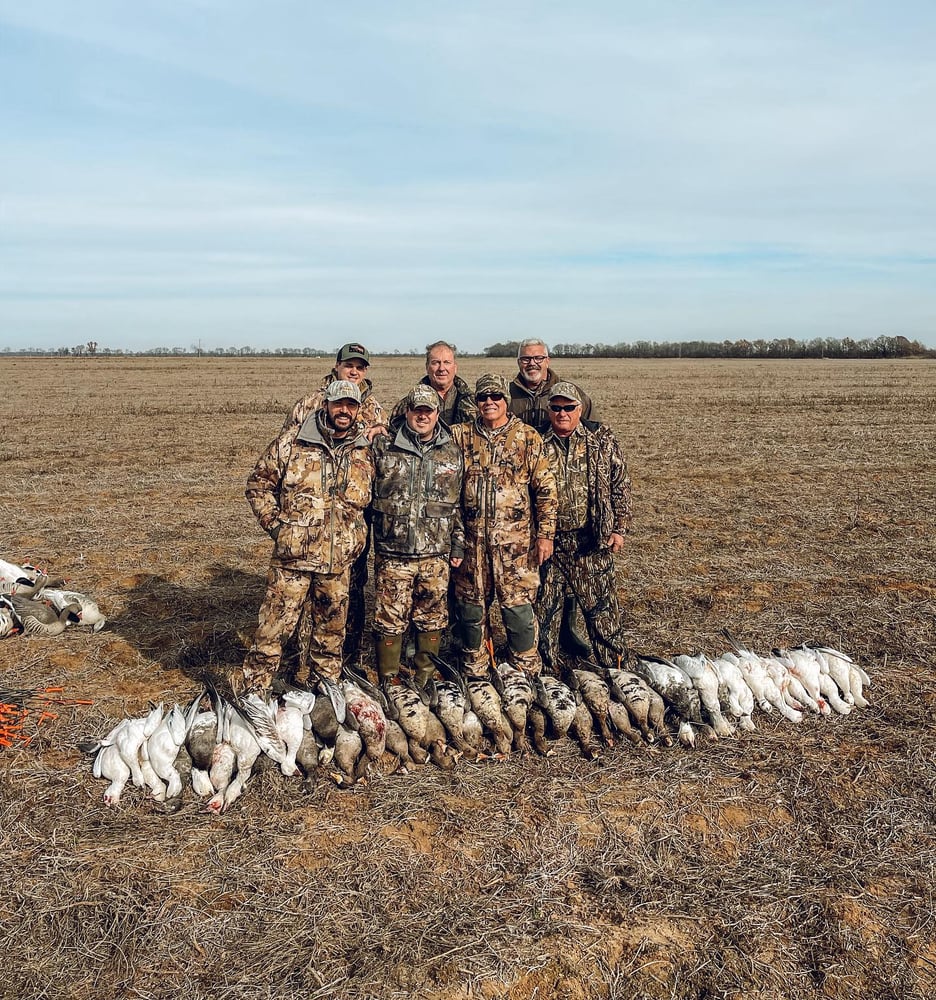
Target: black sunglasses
567 408
496 396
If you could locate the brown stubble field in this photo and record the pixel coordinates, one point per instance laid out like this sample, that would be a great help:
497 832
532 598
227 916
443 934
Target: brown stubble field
786 501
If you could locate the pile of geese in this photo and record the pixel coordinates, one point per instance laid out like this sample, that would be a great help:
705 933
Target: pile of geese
352 730
33 603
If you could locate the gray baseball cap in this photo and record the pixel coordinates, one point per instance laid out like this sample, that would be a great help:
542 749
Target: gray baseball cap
341 389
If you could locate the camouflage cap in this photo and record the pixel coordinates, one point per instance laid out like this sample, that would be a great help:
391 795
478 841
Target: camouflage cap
566 390
490 382
348 351
340 389
423 395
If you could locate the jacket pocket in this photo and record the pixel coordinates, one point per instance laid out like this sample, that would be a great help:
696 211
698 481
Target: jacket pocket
292 542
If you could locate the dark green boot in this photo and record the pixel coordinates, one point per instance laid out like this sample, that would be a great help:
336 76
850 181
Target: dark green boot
426 642
387 650
572 642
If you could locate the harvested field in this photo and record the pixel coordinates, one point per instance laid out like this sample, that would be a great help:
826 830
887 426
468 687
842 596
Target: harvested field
785 501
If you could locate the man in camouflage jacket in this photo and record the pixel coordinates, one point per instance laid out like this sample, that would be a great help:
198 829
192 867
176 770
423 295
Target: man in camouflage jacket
529 391
308 491
594 515
458 403
418 532
509 510
351 364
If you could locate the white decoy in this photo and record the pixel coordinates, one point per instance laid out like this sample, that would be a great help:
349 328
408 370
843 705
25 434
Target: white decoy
10 622
90 612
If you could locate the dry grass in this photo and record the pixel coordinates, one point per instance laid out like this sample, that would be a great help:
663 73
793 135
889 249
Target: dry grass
784 501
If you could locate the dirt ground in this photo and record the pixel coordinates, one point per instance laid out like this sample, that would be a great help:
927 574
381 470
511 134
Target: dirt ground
786 501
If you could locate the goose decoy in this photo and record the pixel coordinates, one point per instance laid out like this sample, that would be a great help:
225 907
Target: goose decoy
42 619
90 612
10 622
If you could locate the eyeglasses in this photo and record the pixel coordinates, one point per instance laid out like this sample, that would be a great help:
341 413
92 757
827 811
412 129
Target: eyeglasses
483 396
567 408
532 359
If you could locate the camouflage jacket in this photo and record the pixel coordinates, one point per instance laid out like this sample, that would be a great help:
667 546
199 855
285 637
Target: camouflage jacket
371 411
417 491
309 492
509 491
594 456
457 407
532 405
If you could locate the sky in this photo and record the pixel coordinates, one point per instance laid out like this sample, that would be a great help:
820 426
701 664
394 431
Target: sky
221 173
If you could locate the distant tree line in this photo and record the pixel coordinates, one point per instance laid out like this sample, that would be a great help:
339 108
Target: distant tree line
818 347
91 349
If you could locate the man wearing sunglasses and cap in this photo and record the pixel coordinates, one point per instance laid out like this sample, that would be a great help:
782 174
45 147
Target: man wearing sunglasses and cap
351 365
509 511
594 514
309 491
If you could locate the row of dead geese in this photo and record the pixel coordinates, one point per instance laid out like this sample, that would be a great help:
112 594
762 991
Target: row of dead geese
34 603
353 729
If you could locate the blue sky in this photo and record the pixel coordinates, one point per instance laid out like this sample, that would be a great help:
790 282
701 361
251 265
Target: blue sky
292 174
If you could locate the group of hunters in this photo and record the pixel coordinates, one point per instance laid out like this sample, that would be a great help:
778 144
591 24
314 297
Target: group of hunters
511 493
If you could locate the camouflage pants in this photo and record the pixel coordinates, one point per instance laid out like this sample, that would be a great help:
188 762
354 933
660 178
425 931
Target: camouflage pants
286 593
411 590
505 573
590 579
354 626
